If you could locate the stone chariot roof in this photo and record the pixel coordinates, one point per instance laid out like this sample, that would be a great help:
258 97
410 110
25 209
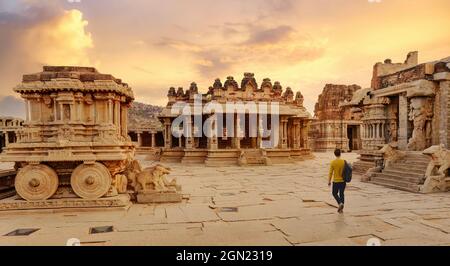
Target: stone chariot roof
72 78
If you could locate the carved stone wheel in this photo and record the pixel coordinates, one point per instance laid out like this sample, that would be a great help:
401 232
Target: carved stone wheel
91 181
36 182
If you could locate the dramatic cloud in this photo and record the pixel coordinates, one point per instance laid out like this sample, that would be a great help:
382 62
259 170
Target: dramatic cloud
155 44
270 36
37 33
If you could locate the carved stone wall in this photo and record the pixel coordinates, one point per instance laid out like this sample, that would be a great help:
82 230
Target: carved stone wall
333 122
288 143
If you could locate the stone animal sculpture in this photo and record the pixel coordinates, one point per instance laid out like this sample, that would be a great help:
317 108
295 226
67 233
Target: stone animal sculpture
133 169
436 179
391 154
154 179
242 160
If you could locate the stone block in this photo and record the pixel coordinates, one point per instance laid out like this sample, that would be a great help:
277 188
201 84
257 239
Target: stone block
159 197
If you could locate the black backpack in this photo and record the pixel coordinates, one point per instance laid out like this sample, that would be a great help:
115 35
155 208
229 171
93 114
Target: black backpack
347 173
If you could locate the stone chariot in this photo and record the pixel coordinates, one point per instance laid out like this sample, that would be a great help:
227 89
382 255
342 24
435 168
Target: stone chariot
75 136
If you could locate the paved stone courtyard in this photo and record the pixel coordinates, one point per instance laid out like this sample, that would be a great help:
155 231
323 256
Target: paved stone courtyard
276 205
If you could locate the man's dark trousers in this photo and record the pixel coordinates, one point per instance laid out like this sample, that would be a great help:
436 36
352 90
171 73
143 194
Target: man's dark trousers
338 192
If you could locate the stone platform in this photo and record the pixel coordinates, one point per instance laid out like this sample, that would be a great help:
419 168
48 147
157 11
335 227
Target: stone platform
159 197
15 203
263 205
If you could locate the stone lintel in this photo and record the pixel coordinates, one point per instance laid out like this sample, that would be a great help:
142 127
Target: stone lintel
442 76
413 89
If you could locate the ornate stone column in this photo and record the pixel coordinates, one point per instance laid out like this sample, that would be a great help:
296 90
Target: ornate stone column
6 138
139 135
167 134
297 134
237 135
421 112
189 138
259 131
213 142
285 134
153 140
403 121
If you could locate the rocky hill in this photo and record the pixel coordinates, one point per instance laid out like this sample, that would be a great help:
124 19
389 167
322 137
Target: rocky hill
142 115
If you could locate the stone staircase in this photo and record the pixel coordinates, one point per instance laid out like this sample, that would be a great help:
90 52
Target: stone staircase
255 157
406 174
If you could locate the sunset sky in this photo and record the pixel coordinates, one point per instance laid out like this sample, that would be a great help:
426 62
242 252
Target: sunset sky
156 44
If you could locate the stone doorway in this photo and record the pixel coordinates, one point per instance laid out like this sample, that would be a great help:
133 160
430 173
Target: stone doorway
146 139
159 138
353 137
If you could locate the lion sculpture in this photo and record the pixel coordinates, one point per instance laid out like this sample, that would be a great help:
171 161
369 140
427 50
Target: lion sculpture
391 154
437 168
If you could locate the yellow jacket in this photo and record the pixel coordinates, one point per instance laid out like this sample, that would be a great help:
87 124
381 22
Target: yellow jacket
337 168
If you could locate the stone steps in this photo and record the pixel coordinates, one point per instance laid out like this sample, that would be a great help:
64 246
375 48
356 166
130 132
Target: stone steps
394 177
254 157
408 187
407 174
412 164
402 171
415 162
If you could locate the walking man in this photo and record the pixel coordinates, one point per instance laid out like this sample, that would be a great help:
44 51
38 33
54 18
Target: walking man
336 175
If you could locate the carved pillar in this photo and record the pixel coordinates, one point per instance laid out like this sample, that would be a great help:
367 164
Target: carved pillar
237 135
110 112
189 138
27 110
259 131
124 119
153 140
213 142
444 123
6 138
283 134
403 122
79 106
167 134
72 112
304 131
297 134
139 135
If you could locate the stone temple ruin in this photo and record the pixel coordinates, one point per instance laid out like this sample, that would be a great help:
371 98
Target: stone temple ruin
145 129
335 126
225 148
74 144
77 145
8 128
405 125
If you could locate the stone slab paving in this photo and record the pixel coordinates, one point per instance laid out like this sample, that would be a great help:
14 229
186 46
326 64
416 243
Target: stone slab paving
268 205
